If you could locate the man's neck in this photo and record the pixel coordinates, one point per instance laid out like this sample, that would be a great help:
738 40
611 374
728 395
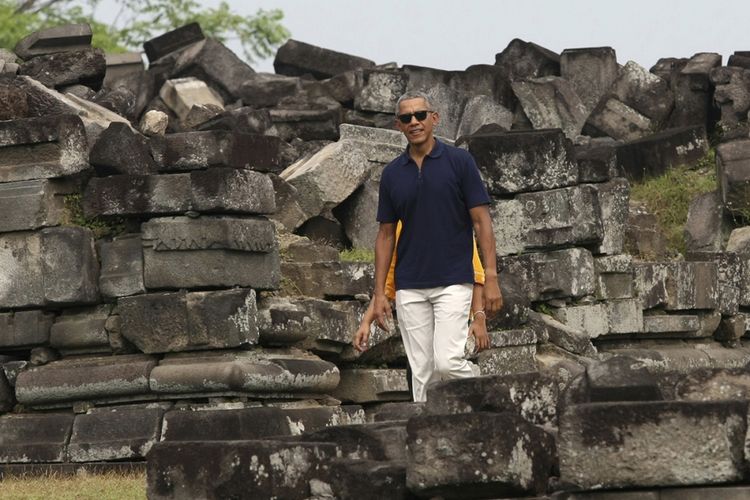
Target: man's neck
419 151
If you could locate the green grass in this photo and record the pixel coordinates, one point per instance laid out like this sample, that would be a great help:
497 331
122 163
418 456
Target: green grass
668 196
101 227
358 255
109 486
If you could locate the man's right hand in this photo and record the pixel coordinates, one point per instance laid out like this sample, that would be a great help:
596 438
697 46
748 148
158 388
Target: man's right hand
382 310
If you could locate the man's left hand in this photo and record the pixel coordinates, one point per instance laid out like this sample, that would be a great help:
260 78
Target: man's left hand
493 299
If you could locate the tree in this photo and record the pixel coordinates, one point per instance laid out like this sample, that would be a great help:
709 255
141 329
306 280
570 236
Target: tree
141 20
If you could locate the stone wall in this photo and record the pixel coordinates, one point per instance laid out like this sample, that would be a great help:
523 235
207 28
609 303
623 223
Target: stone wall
171 284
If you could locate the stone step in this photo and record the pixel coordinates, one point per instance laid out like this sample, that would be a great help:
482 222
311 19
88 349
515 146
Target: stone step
33 204
366 385
34 438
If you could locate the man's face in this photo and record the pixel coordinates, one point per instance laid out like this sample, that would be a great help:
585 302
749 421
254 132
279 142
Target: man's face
416 132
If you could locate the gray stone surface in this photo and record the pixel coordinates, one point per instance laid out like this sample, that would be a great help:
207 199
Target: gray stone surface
731 93
121 266
34 438
692 90
182 94
114 434
524 161
358 213
564 336
481 110
677 285
643 91
218 189
328 279
591 319
296 58
613 198
121 150
55 39
182 321
261 373
548 275
380 90
267 89
180 252
7 395
307 119
615 119
77 331
38 148
654 155
121 66
619 378
621 445
33 204
597 160
624 316
198 150
154 122
552 102
522 59
733 168
687 325
64 382
25 328
54 266
172 41
590 71
507 360
457 456
705 227
81 67
367 385
614 276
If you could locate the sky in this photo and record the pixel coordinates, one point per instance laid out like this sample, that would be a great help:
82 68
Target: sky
456 34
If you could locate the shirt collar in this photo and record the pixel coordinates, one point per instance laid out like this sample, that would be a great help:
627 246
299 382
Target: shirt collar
436 152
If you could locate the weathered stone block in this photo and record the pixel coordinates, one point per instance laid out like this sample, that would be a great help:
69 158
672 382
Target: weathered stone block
85 67
77 331
692 89
34 438
122 66
384 479
704 229
651 443
614 276
732 277
371 441
365 385
624 316
677 285
172 41
566 337
381 90
7 396
591 319
620 379
309 120
617 120
258 469
182 321
122 266
551 102
590 71
114 434
483 110
24 328
329 279
33 204
56 39
196 150
454 456
654 155
524 161
548 275
121 150
597 160
180 252
296 58
40 148
686 325
643 91
507 360
268 89
613 198
527 60
262 373
181 95
97 378
733 167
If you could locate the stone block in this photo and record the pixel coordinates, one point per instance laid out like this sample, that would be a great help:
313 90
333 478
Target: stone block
188 321
181 94
40 148
153 123
244 120
94 378
620 378
33 204
77 331
614 277
381 90
732 277
370 441
7 396
367 385
307 119
654 155
705 226
385 479
358 213
643 91
547 219
258 373
597 160
456 456
552 102
268 89
122 266
733 167
566 337
25 328
54 266
677 285
508 360
522 59
296 58
524 161
172 41
731 93
617 120
732 329
257 469
218 189
613 198
81 67
121 150
34 438
120 67
565 273
692 90
389 412
180 252
590 71
591 319
686 325
622 445
198 150
532 395
329 279
624 316
56 39
114 434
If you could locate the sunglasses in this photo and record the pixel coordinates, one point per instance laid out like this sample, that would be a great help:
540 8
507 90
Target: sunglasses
419 115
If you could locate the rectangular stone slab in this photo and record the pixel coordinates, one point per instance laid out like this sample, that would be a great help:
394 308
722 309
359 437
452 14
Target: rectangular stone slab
81 330
32 204
25 328
41 148
121 271
642 444
365 385
34 438
173 40
182 321
114 434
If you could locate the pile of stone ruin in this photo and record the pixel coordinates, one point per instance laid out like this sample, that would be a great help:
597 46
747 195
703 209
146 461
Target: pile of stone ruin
172 295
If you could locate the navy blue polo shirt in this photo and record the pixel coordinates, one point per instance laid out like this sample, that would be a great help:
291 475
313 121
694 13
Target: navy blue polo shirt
436 243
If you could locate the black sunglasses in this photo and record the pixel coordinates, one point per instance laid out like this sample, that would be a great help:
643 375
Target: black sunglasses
419 115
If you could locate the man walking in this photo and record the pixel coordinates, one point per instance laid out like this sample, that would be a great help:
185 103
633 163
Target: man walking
435 190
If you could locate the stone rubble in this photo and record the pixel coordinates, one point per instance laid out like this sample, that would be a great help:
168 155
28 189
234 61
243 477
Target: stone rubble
172 292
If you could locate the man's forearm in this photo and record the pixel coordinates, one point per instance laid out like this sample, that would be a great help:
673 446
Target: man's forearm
384 243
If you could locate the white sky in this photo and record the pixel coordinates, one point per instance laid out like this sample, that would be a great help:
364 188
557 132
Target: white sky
456 34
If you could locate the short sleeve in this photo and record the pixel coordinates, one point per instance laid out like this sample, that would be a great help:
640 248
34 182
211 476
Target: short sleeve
386 211
474 190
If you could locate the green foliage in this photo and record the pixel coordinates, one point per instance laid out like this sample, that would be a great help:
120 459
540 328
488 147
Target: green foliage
140 20
358 255
668 196
101 227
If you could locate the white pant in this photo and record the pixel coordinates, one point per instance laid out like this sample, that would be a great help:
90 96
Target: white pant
434 329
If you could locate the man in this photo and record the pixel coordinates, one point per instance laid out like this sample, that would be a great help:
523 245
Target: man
436 191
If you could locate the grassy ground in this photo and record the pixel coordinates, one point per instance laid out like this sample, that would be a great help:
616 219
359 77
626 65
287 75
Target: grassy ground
358 255
111 486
